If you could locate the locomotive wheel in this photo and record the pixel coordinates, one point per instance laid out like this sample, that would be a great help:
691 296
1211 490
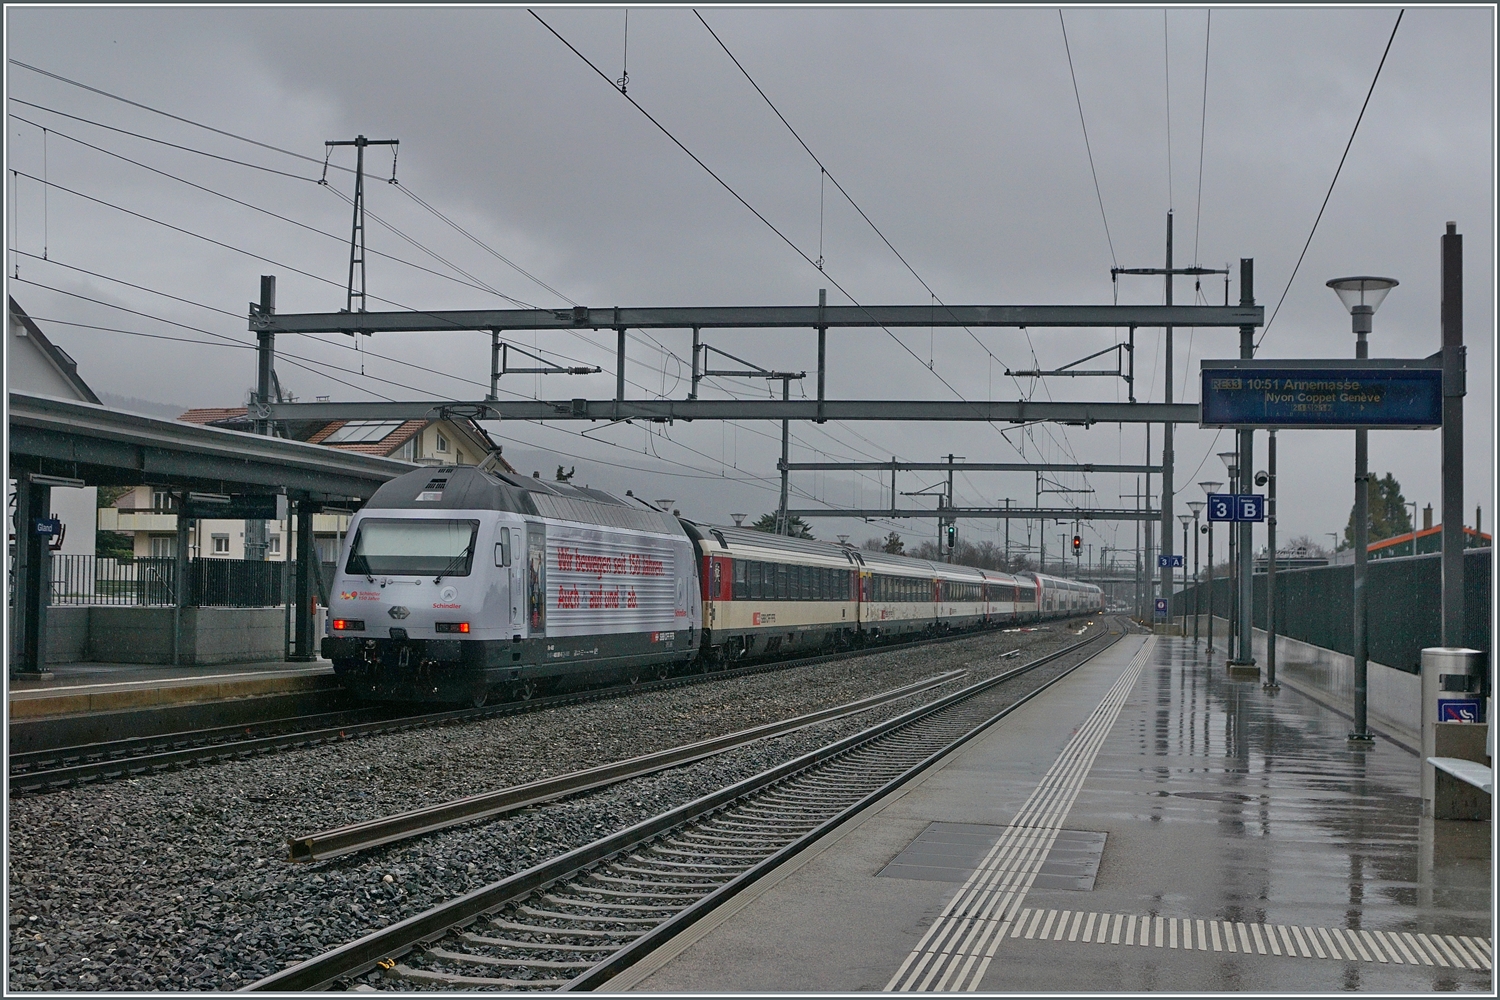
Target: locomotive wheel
662 671
523 690
633 676
479 696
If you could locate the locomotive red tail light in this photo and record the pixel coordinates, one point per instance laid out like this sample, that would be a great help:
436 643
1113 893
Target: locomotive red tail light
348 625
451 627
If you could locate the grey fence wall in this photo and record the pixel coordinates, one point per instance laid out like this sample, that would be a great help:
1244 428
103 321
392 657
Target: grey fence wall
1317 605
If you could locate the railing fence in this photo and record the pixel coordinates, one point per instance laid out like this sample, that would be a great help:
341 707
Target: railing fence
220 583
1316 605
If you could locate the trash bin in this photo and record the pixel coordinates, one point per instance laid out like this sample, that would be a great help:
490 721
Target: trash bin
1455 690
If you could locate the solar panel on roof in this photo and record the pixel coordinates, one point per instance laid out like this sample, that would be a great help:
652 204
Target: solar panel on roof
363 432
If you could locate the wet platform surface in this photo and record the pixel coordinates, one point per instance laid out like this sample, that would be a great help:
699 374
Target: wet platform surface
1247 845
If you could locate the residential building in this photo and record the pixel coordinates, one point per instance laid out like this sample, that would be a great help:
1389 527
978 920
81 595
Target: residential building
38 367
148 512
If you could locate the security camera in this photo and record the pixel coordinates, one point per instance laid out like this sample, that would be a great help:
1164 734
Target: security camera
1261 479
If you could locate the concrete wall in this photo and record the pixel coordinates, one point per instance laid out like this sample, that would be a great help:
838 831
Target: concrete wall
105 634
1393 698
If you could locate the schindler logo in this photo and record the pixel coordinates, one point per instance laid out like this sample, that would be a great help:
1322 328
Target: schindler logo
398 612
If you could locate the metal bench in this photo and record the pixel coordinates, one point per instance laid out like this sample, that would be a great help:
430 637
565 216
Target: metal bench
1474 773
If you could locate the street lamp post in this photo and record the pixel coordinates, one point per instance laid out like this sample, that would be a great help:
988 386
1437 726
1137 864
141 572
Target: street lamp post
1231 460
1196 506
1361 295
1185 519
1268 479
1211 487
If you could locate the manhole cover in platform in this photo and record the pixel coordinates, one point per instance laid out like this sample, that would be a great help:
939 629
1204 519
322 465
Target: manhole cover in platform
949 852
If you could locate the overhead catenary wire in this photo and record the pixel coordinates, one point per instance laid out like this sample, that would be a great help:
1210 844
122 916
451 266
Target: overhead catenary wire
1349 145
823 172
168 114
309 159
480 285
735 194
318 367
471 283
405 189
1078 97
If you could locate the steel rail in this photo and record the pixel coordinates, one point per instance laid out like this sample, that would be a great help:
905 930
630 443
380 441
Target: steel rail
122 749
381 946
122 767
414 823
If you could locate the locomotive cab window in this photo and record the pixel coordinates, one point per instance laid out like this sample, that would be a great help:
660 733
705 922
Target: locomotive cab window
413 547
502 548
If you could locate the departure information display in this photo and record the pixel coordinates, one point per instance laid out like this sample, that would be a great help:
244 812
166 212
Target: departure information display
1308 394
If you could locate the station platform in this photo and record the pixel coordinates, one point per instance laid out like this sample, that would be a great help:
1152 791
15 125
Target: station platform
1146 824
85 688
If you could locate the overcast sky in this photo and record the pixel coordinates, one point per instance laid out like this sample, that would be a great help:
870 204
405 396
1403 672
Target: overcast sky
956 131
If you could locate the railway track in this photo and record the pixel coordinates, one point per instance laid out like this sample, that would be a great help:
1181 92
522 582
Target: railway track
577 920
44 770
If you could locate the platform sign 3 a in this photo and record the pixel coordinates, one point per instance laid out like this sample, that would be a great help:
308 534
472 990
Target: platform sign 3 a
1163 562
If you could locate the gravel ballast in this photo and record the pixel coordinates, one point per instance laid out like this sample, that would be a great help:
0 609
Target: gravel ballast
178 881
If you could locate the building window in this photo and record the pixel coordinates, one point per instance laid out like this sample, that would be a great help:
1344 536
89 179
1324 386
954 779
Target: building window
163 500
273 545
221 545
407 452
163 547
442 442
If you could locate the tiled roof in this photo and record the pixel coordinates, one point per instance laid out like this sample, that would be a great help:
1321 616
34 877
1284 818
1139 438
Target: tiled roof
384 448
212 414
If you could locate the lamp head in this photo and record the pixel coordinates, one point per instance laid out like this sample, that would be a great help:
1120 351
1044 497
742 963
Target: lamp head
1229 458
1184 518
1196 506
1211 486
1362 291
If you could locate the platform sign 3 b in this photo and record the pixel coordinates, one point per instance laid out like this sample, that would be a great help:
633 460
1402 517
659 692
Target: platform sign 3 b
1236 507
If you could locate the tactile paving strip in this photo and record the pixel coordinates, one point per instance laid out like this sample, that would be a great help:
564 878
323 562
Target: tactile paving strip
1280 940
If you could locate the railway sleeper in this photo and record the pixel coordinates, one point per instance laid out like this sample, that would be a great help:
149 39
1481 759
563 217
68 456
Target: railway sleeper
689 851
628 894
469 937
740 839
584 918
746 826
593 904
508 963
665 874
615 879
736 869
510 925
411 975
